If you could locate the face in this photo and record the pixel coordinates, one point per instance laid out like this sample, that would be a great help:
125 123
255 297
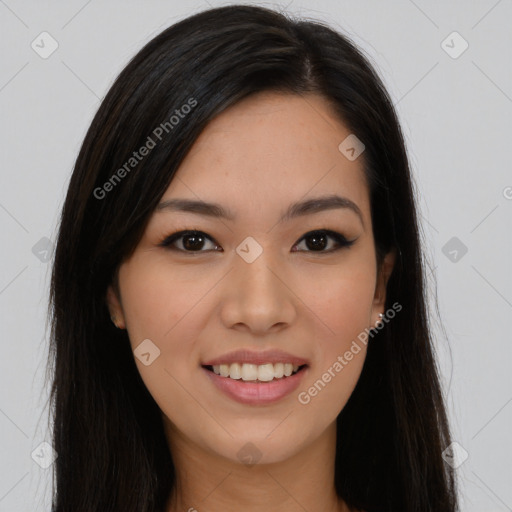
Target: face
294 291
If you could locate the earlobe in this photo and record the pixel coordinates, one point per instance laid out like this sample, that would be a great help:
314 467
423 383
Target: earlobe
115 308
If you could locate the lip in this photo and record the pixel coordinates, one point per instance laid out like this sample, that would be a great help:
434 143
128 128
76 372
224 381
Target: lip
257 393
257 357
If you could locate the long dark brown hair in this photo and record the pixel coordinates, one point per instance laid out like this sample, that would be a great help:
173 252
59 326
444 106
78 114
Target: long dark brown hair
107 429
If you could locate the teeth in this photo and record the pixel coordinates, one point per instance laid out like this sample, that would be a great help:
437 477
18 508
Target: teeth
253 372
249 372
224 370
235 371
265 372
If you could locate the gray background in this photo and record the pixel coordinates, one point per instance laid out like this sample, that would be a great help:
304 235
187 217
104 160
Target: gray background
456 115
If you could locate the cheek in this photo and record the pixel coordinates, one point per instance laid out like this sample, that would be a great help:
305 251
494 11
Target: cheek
341 310
158 298
346 308
163 305
340 302
340 356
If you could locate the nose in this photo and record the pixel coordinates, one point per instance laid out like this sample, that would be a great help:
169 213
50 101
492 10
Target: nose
258 297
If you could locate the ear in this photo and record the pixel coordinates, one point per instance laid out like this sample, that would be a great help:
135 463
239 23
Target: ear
384 272
115 307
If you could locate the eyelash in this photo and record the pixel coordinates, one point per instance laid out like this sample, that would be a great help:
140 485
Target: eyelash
338 237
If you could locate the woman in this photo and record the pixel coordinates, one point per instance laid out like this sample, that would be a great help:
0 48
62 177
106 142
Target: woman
238 307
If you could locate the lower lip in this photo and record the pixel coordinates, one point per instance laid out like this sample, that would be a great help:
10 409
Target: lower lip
257 393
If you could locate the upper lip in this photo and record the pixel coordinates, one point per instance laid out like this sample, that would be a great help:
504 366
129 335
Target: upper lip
256 357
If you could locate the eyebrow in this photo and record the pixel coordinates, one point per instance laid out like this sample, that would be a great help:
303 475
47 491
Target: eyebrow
298 209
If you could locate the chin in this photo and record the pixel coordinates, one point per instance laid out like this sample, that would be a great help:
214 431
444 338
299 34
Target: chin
260 448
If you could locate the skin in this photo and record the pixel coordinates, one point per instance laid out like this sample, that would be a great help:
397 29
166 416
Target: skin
255 159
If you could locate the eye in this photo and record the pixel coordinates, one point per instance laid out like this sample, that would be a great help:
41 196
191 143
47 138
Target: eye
193 240
318 241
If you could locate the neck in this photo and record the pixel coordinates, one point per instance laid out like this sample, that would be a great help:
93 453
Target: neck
209 481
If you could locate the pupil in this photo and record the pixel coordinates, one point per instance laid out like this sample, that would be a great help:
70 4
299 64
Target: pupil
318 241
194 245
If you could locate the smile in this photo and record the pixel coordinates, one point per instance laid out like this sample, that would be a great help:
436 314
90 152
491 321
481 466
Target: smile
253 372
254 391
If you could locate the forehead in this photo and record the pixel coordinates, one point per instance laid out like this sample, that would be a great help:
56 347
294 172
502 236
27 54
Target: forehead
268 150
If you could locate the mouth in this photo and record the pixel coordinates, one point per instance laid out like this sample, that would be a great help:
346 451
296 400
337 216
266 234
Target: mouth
254 373
256 377
256 384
